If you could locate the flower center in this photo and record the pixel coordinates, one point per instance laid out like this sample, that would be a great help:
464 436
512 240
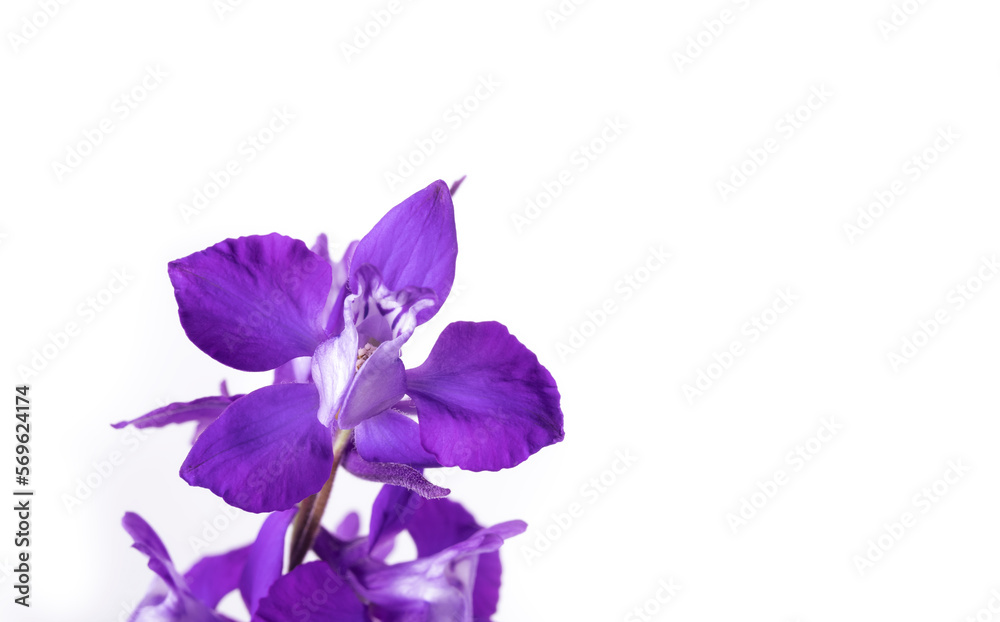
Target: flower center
364 354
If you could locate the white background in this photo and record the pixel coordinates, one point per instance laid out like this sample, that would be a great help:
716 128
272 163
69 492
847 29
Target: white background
656 185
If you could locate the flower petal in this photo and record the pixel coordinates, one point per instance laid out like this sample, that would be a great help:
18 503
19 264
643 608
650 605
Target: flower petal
253 303
202 410
213 577
439 587
441 523
149 544
266 559
333 369
393 508
349 527
384 314
484 401
169 599
392 437
395 474
349 396
380 383
296 370
312 591
266 452
414 245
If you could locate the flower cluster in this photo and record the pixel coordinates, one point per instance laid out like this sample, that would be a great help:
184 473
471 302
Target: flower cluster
332 332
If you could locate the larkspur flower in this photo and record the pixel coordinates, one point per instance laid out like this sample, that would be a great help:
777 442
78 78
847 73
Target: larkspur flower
455 577
333 333
193 596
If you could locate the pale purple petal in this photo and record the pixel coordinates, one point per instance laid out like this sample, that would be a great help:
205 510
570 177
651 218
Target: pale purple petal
348 396
395 474
311 592
484 401
266 559
380 383
439 587
441 523
392 437
253 303
382 313
296 370
266 452
333 369
414 245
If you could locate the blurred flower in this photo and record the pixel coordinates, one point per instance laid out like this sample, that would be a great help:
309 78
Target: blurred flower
456 576
193 596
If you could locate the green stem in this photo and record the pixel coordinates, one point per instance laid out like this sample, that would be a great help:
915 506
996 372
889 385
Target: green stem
307 521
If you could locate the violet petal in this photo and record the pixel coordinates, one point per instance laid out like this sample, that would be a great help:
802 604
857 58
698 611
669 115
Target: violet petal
266 559
392 437
484 401
312 591
253 303
414 245
266 452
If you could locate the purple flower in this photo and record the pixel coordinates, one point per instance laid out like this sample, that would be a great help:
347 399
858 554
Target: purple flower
333 333
193 596
455 578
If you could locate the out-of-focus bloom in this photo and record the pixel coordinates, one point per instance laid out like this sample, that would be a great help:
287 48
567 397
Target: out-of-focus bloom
193 596
455 578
